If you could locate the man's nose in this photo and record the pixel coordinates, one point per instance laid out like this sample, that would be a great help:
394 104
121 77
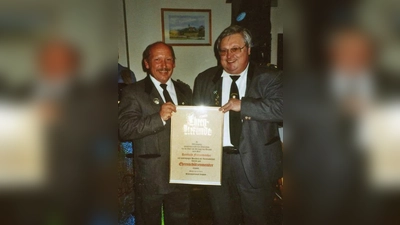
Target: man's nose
163 63
228 54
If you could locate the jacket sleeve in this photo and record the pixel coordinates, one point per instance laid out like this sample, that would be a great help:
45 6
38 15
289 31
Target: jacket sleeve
132 123
269 107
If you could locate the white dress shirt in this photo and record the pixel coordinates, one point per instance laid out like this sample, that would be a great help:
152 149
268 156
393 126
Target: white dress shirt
226 89
170 89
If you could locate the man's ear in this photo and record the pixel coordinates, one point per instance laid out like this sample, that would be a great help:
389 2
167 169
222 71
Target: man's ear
248 50
146 64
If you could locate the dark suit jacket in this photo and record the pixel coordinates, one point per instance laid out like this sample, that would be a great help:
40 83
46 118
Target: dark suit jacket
261 111
139 121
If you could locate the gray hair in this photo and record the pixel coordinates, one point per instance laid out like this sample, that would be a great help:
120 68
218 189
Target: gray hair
235 29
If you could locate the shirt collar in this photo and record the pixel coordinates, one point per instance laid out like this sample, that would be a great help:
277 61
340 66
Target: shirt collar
244 72
157 83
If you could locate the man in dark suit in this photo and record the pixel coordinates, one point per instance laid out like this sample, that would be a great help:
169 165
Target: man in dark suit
144 117
252 99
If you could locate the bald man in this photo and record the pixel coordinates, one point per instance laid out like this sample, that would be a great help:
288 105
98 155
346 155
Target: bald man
145 111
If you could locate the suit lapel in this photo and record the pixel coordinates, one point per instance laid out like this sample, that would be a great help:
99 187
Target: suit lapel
149 88
250 75
217 80
217 89
180 95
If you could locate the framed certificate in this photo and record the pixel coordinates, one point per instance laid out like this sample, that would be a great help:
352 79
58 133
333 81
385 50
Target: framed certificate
196 145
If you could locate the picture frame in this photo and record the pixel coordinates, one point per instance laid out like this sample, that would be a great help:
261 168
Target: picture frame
186 27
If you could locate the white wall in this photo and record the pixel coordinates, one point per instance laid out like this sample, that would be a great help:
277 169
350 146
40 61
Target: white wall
121 33
276 27
144 28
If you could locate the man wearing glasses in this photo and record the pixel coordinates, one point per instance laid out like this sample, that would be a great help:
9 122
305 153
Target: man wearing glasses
251 97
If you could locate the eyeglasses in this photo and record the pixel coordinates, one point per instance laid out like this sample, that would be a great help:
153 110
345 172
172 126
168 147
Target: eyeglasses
235 50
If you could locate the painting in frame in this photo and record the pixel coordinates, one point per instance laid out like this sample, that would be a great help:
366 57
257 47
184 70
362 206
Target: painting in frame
185 27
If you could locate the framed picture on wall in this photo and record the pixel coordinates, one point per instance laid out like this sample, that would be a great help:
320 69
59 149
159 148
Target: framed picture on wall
185 27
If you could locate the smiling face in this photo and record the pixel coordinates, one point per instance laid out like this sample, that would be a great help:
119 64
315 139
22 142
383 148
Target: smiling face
160 63
234 63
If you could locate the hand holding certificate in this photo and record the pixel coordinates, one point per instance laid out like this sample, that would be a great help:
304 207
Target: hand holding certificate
196 145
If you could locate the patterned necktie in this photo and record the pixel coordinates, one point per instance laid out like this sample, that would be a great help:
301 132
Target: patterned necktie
235 123
167 97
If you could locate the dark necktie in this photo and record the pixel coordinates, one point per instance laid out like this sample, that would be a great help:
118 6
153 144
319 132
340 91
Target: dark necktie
235 123
166 94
